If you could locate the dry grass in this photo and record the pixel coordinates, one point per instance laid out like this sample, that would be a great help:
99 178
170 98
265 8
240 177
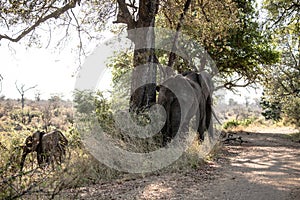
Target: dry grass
81 169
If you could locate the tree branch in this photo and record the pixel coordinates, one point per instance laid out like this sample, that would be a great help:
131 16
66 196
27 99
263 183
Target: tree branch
124 15
203 5
18 88
81 49
55 14
230 84
286 12
172 55
32 87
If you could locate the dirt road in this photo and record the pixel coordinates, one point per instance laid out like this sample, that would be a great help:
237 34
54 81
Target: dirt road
266 167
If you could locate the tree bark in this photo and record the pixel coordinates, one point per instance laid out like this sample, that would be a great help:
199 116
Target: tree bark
143 84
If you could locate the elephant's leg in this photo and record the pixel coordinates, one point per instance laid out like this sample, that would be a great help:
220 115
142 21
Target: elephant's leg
53 160
54 154
208 113
39 158
23 159
175 119
59 154
60 157
40 155
45 157
208 120
210 131
62 149
42 159
201 131
201 126
167 136
166 130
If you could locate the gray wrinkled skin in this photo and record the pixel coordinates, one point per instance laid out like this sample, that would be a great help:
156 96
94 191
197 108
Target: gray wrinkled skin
195 90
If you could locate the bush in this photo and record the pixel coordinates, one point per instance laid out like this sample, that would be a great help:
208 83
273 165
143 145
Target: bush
235 123
231 124
295 137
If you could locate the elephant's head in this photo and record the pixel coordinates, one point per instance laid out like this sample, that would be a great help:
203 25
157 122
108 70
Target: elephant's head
37 140
166 96
32 143
28 144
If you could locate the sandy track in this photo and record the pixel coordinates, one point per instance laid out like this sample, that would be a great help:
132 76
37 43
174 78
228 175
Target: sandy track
266 167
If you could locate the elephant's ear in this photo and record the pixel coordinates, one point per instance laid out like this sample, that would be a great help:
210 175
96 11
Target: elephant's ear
36 139
42 133
28 141
157 88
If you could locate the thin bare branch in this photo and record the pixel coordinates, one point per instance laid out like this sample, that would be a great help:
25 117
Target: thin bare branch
81 49
172 55
32 87
50 36
18 88
287 12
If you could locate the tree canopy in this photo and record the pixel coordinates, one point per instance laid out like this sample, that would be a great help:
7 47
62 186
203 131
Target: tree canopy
227 29
282 80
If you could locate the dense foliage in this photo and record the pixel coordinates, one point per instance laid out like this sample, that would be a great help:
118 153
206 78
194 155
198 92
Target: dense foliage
282 80
227 29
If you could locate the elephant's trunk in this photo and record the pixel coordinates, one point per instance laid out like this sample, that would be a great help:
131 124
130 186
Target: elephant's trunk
24 154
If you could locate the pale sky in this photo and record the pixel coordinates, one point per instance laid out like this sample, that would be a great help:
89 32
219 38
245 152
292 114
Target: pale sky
51 69
33 66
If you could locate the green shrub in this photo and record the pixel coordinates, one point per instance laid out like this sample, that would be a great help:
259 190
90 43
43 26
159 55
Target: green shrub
235 123
295 137
231 124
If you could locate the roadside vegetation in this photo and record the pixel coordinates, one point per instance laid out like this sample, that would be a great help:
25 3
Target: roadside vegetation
80 168
246 51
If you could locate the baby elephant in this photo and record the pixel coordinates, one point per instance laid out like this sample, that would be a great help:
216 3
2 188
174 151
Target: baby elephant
50 147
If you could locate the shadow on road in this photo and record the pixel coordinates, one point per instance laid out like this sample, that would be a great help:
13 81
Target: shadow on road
266 167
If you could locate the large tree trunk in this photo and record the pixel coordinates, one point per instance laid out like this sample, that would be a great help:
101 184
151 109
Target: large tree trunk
143 95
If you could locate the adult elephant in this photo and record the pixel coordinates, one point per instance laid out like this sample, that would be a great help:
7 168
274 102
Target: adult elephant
193 97
46 145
